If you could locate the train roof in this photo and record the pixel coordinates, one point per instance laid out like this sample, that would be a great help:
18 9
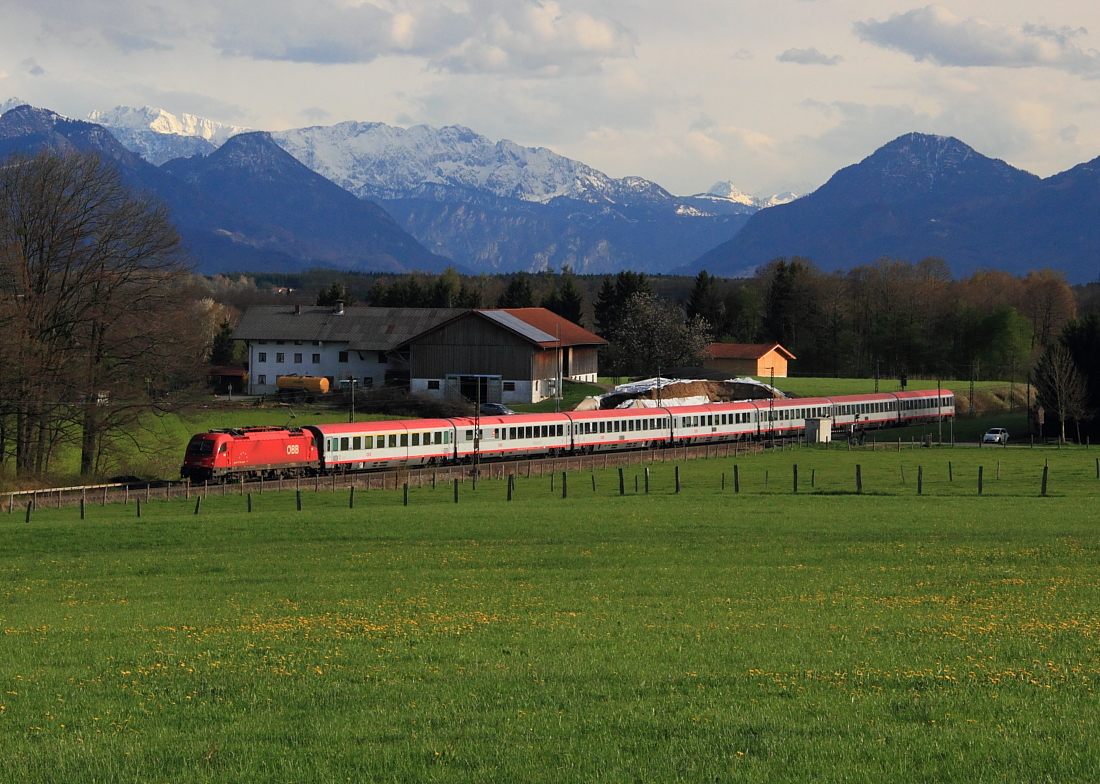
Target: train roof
385 425
868 397
513 419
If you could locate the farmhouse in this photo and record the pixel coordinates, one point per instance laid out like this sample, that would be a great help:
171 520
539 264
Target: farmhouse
331 341
515 355
748 359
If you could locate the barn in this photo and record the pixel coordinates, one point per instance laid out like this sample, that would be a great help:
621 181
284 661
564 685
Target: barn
748 359
514 355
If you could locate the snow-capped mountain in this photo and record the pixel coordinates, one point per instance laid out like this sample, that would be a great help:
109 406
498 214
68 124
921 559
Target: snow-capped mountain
11 103
490 205
160 136
386 162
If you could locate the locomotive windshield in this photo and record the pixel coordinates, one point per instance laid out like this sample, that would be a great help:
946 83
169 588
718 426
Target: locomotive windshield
201 446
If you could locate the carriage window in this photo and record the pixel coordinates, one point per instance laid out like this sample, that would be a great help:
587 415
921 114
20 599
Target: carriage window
343 444
511 432
357 442
368 442
527 432
469 435
416 440
404 439
446 436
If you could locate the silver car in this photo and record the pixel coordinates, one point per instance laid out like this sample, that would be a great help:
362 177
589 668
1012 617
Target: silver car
996 435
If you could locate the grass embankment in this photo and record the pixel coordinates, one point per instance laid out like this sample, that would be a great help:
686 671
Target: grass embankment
698 637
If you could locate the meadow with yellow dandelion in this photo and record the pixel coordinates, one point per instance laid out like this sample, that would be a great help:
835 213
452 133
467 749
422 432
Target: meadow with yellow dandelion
708 635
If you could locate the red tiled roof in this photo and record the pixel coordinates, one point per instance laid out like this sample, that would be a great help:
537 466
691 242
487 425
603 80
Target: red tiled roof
745 350
552 324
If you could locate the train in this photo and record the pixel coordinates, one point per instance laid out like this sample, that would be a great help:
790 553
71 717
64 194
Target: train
251 452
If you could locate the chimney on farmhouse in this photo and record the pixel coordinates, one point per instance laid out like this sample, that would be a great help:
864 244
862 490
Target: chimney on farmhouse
339 308
297 310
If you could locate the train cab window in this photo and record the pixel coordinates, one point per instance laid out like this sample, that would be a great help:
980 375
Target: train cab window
223 448
357 442
343 444
393 440
416 439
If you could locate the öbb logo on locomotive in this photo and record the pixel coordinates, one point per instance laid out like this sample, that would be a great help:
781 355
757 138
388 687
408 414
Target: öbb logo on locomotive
412 443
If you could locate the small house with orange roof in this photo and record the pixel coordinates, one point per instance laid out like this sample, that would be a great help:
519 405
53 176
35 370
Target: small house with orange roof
748 359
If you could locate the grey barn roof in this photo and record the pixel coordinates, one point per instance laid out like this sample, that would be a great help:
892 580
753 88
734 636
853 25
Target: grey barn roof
362 328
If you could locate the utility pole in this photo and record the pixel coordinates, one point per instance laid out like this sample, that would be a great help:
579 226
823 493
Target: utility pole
939 410
771 405
878 362
477 426
351 398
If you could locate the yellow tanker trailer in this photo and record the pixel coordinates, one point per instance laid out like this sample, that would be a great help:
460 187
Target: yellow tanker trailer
302 387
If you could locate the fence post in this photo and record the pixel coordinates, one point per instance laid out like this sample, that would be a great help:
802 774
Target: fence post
105 492
981 477
564 485
509 487
813 477
723 480
593 483
198 503
622 482
920 480
351 497
406 491
250 503
647 475
1046 470
30 505
298 499
859 478
736 479
139 507
950 472
903 474
677 479
796 477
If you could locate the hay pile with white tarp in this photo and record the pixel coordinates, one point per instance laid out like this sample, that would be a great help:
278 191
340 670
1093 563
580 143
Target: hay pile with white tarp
654 392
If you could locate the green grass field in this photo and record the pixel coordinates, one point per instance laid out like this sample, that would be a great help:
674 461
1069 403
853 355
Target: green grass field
705 636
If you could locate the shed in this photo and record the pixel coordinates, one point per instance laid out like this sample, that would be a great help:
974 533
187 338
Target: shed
748 359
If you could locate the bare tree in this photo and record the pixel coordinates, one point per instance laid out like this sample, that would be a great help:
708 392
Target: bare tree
93 325
1060 386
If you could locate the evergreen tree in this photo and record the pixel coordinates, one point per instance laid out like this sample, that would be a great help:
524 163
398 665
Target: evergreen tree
518 294
222 347
336 293
613 297
706 302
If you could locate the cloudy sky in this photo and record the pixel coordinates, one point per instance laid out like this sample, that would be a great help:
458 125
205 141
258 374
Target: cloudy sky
770 94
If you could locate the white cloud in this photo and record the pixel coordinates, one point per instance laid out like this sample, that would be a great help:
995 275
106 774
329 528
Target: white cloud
808 57
935 34
31 66
524 37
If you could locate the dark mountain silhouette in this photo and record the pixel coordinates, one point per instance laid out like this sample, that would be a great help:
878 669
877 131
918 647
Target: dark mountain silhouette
915 197
251 207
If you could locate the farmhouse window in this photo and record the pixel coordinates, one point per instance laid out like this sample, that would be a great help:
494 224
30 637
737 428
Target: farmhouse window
279 357
316 359
261 357
297 358
343 356
433 384
509 386
261 379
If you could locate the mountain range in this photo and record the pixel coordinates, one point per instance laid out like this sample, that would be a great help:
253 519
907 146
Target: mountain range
354 195
248 205
489 206
921 196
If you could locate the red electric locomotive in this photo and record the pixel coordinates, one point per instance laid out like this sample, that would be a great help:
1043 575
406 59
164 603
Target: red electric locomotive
250 451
